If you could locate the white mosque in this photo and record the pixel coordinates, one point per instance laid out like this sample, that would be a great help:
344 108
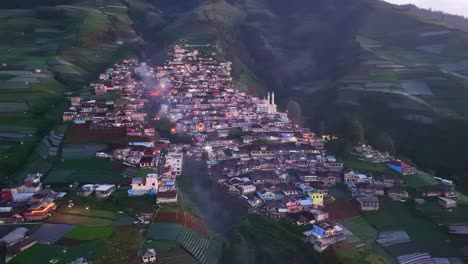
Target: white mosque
268 105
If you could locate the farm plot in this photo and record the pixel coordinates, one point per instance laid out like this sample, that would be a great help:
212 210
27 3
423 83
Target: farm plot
82 211
82 150
340 210
164 231
79 134
458 229
78 220
364 166
89 233
14 86
419 180
416 87
176 255
123 220
390 238
359 227
424 233
12 136
50 233
441 216
40 253
13 107
183 218
84 171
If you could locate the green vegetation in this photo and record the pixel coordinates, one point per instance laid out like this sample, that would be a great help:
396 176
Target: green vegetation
95 171
4 77
78 220
346 253
66 46
432 210
91 212
106 208
44 253
279 242
424 234
362 166
361 228
143 172
421 179
126 240
89 233
339 191
403 121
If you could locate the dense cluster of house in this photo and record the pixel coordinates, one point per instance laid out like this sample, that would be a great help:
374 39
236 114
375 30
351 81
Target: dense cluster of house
162 183
366 152
107 113
279 169
28 201
142 149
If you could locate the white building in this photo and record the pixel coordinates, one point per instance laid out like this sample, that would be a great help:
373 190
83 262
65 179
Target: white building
447 202
142 186
246 189
148 255
174 159
104 190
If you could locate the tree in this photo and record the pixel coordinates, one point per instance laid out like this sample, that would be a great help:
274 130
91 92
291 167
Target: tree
294 112
352 130
339 147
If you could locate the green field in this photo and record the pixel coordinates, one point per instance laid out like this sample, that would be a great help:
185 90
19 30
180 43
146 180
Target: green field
89 233
5 77
91 212
419 180
92 170
354 163
426 236
45 253
13 107
361 228
276 241
439 215
78 220
339 191
70 45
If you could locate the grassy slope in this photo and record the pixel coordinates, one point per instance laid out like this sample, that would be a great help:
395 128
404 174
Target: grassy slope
394 36
74 43
268 241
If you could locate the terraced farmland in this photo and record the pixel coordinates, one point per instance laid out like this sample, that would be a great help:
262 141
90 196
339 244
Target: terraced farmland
44 53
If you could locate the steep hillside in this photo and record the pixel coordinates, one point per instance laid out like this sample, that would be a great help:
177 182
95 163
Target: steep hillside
412 87
402 75
281 45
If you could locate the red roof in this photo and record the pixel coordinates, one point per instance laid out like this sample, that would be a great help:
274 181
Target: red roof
401 164
168 194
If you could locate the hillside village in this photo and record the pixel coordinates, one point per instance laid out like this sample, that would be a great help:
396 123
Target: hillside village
279 169
253 151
